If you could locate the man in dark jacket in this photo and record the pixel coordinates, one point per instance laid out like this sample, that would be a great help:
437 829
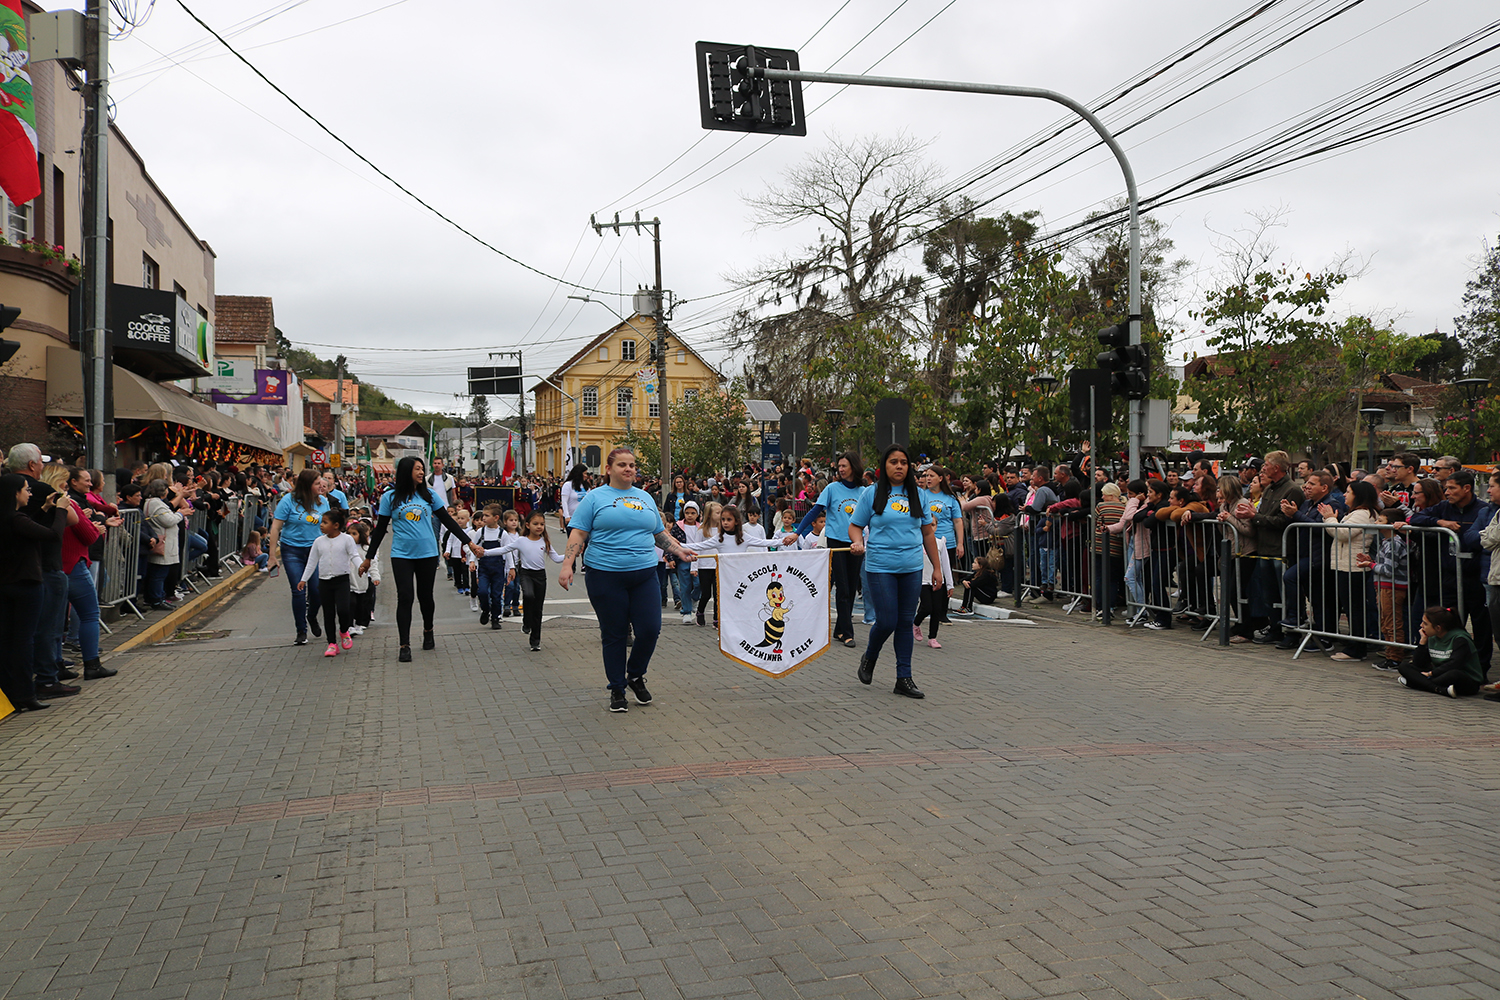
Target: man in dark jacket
1269 521
1306 575
1461 571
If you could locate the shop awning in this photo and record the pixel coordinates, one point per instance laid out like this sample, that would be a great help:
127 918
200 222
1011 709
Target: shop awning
137 398
383 468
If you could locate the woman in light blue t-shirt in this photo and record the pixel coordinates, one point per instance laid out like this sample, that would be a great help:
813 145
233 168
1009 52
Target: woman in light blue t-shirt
294 528
891 528
623 528
408 511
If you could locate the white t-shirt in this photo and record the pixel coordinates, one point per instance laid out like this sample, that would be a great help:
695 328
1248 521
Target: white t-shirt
570 500
441 486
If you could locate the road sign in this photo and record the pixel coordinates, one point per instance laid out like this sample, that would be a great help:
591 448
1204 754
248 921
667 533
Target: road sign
794 435
319 457
892 423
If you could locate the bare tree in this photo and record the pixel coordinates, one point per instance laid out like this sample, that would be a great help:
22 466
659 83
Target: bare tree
866 199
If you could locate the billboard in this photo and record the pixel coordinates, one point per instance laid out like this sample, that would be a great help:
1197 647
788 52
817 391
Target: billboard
236 381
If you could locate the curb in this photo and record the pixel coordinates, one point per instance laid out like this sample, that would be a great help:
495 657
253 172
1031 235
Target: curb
181 616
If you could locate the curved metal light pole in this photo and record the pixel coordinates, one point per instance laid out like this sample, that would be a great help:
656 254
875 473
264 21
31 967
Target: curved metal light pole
1005 90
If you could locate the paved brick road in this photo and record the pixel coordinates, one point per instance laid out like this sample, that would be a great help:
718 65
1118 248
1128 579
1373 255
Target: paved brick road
1071 812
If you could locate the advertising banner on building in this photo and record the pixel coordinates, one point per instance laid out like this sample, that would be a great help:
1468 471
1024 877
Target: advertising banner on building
773 609
235 381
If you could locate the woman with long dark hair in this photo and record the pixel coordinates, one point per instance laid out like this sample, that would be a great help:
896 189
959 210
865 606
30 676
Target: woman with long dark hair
837 501
21 542
623 529
892 529
294 528
410 506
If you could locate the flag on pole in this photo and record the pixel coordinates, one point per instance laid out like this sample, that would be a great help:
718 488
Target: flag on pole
509 468
18 172
369 474
568 462
773 609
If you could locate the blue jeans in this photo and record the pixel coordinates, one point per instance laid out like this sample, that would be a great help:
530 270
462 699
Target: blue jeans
47 643
894 597
512 596
85 602
623 600
198 546
293 562
489 584
687 587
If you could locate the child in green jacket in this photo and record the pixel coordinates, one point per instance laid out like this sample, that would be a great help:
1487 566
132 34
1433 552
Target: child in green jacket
1446 661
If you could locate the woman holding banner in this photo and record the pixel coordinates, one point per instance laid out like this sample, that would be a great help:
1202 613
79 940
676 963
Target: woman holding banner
838 500
623 528
891 527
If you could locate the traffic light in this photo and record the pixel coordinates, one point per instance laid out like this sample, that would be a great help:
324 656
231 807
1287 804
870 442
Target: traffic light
1129 364
8 348
731 95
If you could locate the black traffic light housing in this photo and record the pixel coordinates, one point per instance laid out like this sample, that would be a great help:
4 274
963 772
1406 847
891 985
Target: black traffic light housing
731 96
8 348
1129 364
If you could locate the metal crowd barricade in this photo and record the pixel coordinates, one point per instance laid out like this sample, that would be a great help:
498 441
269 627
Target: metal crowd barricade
229 535
1059 558
1367 585
119 569
196 521
249 516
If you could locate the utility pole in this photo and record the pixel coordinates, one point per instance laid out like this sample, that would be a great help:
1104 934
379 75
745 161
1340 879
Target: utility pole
336 411
659 318
93 339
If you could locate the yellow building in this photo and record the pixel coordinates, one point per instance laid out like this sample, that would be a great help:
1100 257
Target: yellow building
603 397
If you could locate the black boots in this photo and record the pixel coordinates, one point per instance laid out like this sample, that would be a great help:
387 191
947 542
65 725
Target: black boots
93 670
907 688
866 670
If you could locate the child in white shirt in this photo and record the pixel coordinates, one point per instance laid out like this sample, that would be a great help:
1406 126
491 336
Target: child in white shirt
330 557
362 586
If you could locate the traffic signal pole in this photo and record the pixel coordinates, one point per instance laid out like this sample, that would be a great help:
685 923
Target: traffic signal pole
1004 90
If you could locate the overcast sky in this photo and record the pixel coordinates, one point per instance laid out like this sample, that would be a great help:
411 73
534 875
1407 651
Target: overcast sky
519 120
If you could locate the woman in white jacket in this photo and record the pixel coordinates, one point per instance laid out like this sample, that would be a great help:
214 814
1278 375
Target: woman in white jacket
162 521
1349 559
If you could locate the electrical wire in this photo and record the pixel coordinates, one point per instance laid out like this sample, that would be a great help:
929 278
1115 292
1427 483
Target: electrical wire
371 164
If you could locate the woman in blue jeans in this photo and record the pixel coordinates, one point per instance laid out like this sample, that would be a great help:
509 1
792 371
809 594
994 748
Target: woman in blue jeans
294 528
891 528
622 528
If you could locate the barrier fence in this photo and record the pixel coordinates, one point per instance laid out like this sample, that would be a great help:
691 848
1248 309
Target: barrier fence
229 535
1361 585
120 572
1376 580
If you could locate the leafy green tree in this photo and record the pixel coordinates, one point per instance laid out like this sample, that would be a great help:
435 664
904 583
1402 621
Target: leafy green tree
708 431
1478 328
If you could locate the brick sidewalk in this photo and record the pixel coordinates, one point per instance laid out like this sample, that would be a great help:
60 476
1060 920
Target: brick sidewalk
1071 812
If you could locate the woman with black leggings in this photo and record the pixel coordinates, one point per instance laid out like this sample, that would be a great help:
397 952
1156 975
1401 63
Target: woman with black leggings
408 511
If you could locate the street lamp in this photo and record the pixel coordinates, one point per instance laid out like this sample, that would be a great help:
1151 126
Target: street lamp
1046 382
1374 416
1472 388
836 418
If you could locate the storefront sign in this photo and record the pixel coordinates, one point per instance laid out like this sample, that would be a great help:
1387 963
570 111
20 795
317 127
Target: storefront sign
236 382
156 333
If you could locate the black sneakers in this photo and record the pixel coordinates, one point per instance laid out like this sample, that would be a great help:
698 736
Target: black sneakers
484 617
313 626
429 641
638 688
617 702
866 670
405 656
301 639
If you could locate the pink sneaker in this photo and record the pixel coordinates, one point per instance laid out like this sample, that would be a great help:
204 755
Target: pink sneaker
347 641
934 644
916 631
332 650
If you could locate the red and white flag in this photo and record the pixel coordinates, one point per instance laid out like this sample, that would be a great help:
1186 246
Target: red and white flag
18 171
509 468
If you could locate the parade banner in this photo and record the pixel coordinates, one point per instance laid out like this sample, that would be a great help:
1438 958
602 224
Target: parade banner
773 609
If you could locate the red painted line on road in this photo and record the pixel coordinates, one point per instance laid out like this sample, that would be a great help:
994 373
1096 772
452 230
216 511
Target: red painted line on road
329 805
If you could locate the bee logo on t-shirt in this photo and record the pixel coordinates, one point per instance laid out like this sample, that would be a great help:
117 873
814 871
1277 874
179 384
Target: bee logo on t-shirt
413 515
849 506
936 508
632 503
898 505
311 517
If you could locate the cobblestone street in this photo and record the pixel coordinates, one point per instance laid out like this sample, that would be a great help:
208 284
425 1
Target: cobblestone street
1071 812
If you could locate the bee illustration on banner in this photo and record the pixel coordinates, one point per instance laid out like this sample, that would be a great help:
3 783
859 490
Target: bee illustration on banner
773 613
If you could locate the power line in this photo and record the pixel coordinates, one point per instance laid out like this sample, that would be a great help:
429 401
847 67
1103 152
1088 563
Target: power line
371 164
